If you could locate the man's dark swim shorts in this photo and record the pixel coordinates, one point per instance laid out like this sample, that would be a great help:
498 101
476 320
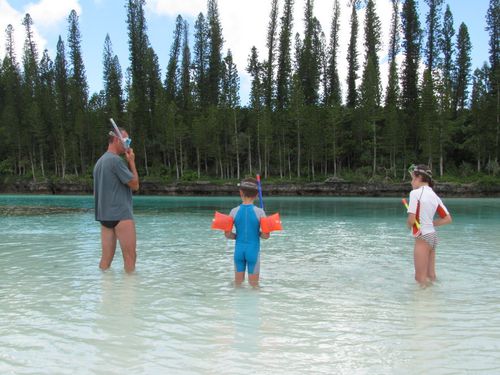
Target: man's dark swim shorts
110 224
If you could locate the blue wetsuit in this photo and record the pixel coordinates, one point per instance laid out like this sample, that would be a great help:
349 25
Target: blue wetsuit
247 222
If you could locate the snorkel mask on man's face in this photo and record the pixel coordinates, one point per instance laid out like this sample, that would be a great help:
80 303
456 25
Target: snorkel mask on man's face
419 170
125 141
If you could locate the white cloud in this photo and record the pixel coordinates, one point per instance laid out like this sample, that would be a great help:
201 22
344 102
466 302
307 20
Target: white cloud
174 7
9 15
47 13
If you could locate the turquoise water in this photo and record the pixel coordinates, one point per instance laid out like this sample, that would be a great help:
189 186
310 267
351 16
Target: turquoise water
337 294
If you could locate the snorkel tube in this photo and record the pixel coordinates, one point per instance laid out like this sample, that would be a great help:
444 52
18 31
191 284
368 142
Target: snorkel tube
260 192
270 223
119 134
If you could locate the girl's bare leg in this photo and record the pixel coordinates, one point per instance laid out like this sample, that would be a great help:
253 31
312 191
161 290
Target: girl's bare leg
431 268
421 255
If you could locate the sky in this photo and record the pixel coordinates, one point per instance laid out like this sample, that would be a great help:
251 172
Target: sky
244 24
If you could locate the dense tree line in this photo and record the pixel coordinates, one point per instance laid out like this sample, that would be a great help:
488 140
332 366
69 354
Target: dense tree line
188 122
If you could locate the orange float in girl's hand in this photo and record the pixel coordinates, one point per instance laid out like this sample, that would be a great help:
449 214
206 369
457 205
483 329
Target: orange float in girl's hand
222 222
270 223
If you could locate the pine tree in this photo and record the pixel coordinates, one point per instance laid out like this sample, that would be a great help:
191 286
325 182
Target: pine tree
31 124
429 105
352 58
172 77
333 93
12 105
155 101
62 93
185 94
446 46
200 62
411 46
283 80
370 92
429 132
185 97
112 77
393 131
78 95
433 30
308 62
463 67
138 107
332 90
445 88
215 52
493 26
47 106
271 47
254 68
478 140
230 100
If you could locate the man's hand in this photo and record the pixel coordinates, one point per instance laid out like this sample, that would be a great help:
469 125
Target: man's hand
130 156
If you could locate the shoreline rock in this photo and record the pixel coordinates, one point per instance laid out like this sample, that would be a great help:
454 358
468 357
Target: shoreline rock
205 188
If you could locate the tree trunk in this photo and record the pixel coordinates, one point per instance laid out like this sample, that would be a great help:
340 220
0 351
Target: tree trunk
146 160
498 122
249 154
258 145
266 157
441 159
298 148
237 147
281 161
177 172
289 166
374 148
181 153
478 162
63 160
198 167
312 168
32 166
41 162
334 150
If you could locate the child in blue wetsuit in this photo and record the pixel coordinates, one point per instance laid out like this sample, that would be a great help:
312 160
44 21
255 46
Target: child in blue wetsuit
247 222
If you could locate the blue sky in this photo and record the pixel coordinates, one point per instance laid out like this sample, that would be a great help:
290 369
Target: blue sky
244 24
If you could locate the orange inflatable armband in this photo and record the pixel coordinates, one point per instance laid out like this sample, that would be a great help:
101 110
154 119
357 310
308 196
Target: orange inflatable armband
222 222
270 223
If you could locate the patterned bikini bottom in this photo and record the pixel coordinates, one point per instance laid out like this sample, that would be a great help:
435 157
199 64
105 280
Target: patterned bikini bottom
430 238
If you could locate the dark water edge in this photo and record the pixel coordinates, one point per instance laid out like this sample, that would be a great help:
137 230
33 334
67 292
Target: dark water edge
200 188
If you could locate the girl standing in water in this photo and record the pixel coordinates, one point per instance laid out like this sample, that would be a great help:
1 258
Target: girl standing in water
424 203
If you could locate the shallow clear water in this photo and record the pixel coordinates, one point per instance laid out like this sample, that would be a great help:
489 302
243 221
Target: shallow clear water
337 294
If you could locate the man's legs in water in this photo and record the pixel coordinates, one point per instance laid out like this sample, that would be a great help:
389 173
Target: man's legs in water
125 232
108 243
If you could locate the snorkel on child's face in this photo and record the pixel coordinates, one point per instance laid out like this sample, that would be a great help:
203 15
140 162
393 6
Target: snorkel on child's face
417 174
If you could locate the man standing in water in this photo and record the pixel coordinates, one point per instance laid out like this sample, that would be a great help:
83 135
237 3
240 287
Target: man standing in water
113 186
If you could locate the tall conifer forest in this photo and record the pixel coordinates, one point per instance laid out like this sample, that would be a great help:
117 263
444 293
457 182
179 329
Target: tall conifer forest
187 121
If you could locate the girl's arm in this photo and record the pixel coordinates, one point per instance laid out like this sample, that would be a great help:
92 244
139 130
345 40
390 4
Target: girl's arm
264 236
442 221
411 220
230 235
